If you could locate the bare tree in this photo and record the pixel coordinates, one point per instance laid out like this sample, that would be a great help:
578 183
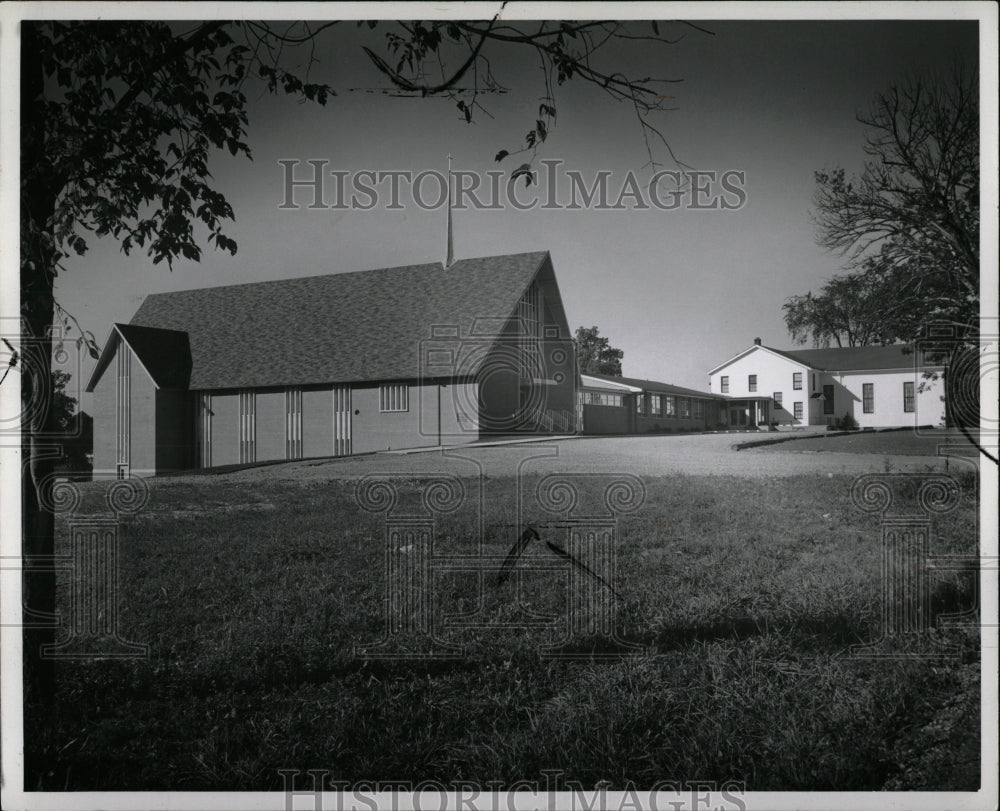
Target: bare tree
909 226
917 200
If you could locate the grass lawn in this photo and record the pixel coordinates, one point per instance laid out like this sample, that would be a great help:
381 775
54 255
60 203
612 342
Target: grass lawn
906 443
746 593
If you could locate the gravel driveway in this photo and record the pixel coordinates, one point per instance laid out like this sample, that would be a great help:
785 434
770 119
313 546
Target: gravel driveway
650 455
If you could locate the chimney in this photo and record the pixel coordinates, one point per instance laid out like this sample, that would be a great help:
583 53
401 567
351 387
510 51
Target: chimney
756 341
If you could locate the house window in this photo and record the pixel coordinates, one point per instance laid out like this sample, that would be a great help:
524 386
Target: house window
752 383
671 405
684 406
656 405
394 397
908 397
777 399
699 409
724 382
868 398
640 405
293 423
797 406
828 399
797 381
602 399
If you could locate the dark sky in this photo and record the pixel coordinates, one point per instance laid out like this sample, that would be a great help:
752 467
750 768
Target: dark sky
678 291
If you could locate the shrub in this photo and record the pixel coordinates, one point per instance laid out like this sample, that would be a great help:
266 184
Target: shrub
848 423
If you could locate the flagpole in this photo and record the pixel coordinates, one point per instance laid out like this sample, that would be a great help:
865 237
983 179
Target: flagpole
450 249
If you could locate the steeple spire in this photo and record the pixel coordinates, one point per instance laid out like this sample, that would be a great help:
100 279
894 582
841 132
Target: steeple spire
450 249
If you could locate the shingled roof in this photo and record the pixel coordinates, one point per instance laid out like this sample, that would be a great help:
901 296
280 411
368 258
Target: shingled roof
345 327
164 353
851 358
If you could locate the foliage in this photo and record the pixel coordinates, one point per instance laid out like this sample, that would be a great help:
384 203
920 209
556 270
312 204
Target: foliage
845 423
74 428
854 309
909 223
595 355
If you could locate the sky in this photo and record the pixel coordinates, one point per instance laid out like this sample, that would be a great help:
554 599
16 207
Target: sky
678 291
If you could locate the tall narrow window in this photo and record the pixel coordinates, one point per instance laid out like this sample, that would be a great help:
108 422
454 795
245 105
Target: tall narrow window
671 406
908 397
724 384
293 423
828 401
529 330
656 405
248 426
777 399
684 407
797 381
640 405
205 429
394 397
699 409
797 405
868 398
123 414
752 383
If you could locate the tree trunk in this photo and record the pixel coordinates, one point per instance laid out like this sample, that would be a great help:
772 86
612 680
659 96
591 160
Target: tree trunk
38 527
39 189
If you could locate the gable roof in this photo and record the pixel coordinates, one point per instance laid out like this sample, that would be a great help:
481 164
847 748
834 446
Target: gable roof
345 327
860 358
654 386
165 354
847 358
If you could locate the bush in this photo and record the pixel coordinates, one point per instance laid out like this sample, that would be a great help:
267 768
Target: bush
845 423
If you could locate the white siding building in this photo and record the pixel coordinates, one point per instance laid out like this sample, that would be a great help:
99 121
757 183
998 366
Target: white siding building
879 386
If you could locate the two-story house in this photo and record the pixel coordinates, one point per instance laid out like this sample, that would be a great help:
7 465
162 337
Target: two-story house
879 386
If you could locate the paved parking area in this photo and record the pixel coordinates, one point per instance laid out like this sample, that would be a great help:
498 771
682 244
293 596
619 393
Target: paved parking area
650 455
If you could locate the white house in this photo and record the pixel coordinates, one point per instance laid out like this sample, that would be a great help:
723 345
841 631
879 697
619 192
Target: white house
879 386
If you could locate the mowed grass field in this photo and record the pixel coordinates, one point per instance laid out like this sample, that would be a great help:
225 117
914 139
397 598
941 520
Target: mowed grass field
747 595
904 443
